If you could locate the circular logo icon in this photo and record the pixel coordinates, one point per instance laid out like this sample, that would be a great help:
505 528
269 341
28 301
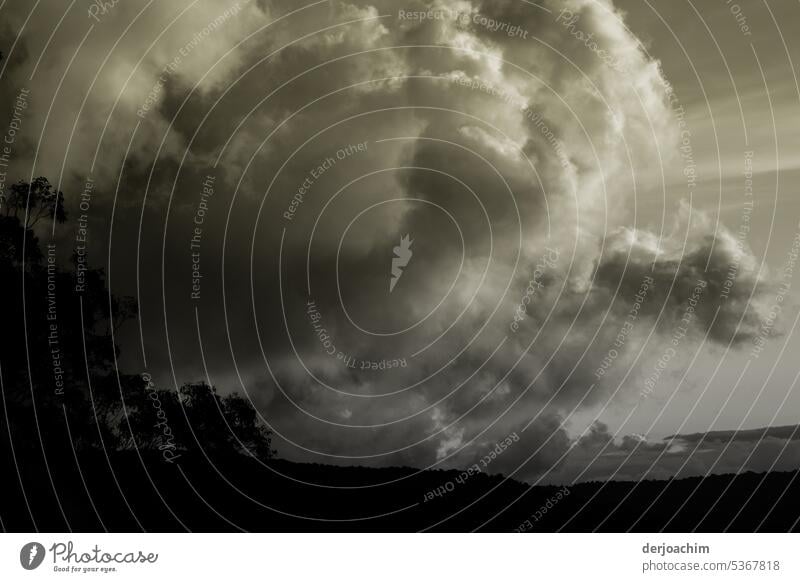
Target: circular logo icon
31 555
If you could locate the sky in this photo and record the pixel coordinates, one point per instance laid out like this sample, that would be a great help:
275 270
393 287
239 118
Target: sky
411 230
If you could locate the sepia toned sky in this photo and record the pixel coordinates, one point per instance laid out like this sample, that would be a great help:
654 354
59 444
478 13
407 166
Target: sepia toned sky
623 176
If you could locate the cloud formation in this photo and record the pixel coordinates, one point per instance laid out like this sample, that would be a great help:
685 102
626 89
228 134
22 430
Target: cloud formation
514 160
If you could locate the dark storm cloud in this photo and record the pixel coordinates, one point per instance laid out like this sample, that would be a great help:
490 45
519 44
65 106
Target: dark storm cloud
506 152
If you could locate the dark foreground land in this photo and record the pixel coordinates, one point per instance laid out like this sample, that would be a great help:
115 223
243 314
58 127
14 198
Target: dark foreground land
241 493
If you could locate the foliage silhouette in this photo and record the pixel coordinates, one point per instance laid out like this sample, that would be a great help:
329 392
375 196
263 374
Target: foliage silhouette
61 392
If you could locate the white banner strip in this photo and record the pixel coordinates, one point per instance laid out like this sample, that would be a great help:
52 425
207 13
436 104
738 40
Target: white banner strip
400 557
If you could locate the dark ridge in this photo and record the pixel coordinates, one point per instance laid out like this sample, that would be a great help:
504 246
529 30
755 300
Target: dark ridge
278 495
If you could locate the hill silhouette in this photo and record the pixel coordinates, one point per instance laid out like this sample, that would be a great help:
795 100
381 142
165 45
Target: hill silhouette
239 493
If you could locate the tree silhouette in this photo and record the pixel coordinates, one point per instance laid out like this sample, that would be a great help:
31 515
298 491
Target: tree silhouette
39 199
57 356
